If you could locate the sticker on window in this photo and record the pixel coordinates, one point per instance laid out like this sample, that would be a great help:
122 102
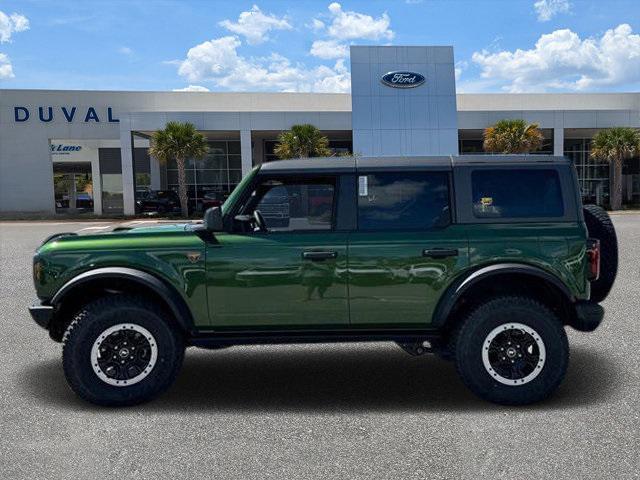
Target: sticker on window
363 186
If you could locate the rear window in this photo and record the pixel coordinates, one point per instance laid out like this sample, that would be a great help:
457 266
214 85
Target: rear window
516 193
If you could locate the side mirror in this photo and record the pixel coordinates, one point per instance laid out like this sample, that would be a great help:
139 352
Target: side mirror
213 219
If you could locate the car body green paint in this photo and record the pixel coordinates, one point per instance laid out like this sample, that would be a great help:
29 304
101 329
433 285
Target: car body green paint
259 280
161 250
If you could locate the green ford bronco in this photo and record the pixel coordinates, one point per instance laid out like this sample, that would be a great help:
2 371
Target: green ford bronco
482 260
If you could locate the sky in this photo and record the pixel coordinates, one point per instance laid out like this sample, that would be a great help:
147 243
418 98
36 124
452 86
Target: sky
298 45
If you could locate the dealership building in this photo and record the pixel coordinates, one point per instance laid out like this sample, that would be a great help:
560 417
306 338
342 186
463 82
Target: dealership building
86 151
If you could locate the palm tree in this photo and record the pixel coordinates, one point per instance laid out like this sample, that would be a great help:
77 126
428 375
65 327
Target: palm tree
512 136
302 141
179 141
615 145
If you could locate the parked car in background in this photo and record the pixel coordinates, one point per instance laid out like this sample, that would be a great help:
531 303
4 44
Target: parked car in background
210 199
158 201
84 201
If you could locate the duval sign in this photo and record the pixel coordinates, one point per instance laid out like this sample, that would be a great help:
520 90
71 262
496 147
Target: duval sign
66 113
403 79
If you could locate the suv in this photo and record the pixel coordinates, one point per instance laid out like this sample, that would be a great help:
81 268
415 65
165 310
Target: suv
482 260
158 201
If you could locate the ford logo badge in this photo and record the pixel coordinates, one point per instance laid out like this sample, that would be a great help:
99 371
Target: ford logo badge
403 79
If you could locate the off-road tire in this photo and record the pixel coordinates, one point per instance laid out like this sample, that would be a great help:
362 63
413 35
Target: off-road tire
96 317
470 341
600 226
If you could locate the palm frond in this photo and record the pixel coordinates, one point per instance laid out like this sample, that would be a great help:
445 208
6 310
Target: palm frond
512 136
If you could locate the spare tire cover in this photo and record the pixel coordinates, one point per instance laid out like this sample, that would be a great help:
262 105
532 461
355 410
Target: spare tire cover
601 227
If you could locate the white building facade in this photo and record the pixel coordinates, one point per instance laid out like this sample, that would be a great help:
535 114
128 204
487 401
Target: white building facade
86 151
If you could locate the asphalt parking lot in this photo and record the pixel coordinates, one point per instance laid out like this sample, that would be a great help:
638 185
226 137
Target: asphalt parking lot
323 411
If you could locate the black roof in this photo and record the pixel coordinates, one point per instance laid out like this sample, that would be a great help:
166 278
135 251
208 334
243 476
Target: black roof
351 164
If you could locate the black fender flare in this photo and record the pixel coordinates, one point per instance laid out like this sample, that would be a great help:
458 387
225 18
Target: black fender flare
458 288
170 296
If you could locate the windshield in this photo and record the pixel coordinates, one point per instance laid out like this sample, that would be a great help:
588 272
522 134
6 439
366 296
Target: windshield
233 197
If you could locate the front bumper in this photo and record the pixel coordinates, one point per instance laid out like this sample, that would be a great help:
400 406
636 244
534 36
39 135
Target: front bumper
42 315
588 316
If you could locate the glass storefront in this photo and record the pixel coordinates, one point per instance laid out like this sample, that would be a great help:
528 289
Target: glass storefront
593 176
216 175
111 181
73 187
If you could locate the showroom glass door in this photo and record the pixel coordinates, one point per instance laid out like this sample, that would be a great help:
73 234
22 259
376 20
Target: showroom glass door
73 187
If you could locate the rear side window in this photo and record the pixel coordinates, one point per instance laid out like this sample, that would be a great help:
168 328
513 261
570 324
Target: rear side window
403 201
516 193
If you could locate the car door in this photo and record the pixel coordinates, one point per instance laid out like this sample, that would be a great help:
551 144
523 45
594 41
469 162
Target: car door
290 274
406 250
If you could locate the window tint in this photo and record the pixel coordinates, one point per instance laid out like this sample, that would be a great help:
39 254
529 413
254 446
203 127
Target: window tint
296 206
516 193
403 201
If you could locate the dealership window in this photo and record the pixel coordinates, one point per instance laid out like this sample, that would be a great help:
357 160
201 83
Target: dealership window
516 193
593 175
403 201
142 169
111 181
215 175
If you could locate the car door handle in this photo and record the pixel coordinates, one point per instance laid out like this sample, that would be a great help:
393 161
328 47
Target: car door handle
440 252
317 256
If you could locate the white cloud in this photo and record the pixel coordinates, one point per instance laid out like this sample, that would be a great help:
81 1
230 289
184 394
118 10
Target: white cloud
217 61
561 60
254 25
6 70
547 9
125 51
328 49
345 26
10 24
348 25
316 25
192 88
210 59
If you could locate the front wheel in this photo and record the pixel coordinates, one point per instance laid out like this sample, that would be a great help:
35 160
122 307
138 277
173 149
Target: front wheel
121 350
512 350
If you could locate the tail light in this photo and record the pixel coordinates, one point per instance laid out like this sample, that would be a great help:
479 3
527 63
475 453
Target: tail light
593 254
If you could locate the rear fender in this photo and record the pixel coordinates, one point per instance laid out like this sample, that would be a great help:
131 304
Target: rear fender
465 283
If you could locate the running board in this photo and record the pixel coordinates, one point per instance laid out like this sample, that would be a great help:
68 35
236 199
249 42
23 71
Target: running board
260 337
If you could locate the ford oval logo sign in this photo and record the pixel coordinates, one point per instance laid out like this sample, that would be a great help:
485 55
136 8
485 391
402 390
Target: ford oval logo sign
403 79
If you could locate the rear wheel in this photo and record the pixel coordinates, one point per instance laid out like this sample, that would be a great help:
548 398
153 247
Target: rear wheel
600 226
512 350
121 350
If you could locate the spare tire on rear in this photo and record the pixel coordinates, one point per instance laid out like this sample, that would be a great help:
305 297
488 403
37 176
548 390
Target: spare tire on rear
601 227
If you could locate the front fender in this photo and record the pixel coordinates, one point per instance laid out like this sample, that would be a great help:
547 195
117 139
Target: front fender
172 298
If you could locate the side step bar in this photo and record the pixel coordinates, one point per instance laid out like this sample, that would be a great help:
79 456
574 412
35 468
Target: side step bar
260 337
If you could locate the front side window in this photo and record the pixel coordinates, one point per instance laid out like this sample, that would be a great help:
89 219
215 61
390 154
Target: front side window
295 205
516 193
403 201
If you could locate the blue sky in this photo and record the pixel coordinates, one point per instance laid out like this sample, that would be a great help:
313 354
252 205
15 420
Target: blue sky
500 46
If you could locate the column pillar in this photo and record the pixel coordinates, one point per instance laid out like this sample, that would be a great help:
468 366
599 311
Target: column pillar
96 180
558 141
245 151
126 156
